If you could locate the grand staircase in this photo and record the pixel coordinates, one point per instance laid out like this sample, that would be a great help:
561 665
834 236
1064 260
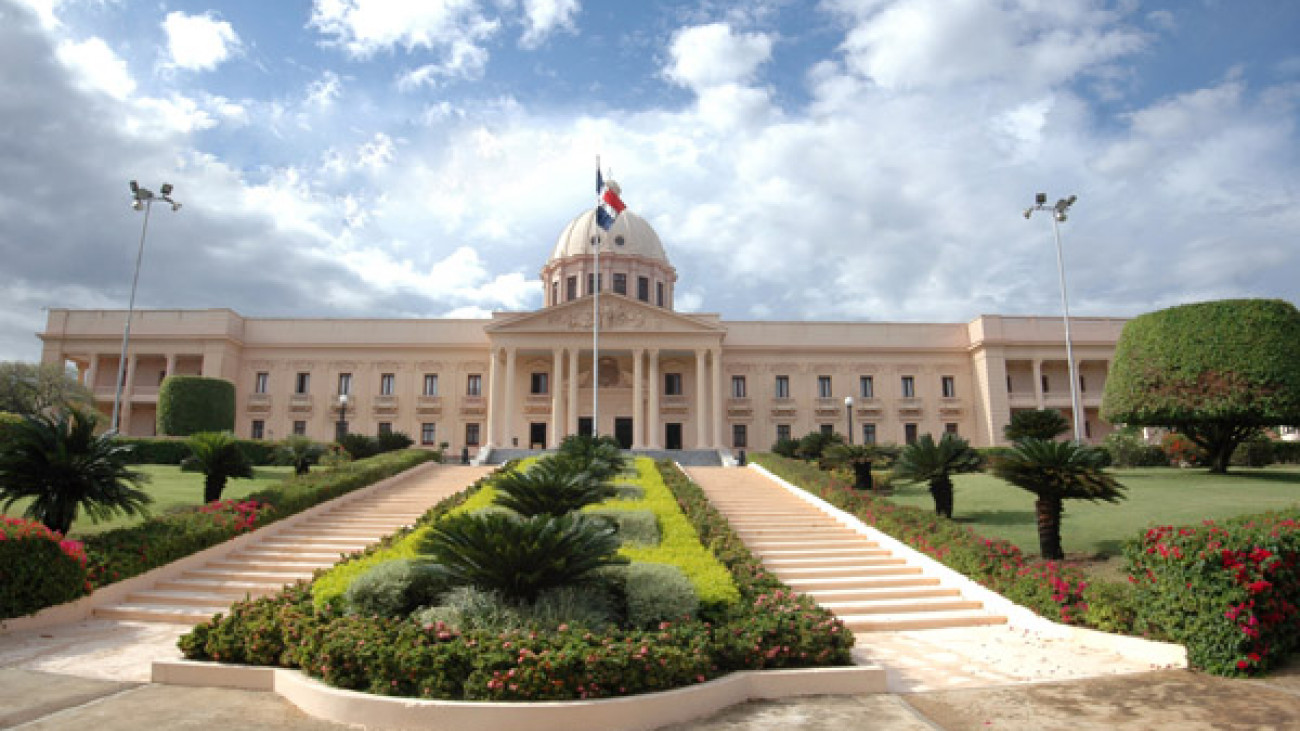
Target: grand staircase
285 554
867 586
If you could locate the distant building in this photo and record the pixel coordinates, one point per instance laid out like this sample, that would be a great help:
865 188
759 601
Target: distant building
666 379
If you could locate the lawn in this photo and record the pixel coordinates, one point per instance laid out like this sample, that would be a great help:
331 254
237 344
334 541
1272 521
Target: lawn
1156 495
171 489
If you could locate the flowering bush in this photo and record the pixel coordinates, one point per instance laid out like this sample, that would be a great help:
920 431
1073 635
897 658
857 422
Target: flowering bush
1227 591
1182 451
38 567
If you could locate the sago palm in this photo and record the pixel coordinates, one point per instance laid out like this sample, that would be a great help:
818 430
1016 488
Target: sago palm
1056 472
218 456
926 460
599 456
300 452
552 487
59 463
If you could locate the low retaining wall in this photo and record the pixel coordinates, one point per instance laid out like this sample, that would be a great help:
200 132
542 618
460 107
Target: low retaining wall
628 713
84 607
1163 654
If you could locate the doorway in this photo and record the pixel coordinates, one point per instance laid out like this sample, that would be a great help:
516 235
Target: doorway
537 435
623 431
672 436
584 426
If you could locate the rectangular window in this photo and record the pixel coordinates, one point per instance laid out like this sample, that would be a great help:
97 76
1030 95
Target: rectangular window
345 384
262 382
868 433
592 283
300 428
571 289
431 384
643 289
1083 385
555 292
471 435
783 387
738 387
1087 429
909 387
428 433
783 432
540 383
866 387
739 436
672 384
259 429
302 383
1009 388
1045 385
823 386
385 428
909 433
950 428
828 429
949 385
474 385
620 283
387 382
659 293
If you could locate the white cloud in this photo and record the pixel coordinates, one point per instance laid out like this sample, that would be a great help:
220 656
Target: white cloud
544 17
463 60
323 92
97 67
198 42
713 55
364 27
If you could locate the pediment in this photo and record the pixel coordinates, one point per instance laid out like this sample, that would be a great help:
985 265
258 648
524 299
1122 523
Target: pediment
617 314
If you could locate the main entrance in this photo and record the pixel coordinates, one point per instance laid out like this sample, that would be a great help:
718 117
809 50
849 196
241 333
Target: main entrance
537 435
623 432
672 436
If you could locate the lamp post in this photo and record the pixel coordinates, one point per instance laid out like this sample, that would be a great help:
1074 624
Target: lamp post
848 409
1059 213
341 426
141 200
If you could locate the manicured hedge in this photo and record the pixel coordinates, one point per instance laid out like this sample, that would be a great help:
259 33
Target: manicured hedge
1229 592
38 568
172 450
192 404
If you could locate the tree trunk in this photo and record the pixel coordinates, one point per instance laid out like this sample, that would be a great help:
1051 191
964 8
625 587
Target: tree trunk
213 485
941 490
862 475
1049 528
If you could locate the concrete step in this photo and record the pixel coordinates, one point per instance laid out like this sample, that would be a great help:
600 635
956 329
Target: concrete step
279 544
254 553
240 564
875 582
347 535
930 620
869 555
865 547
902 606
888 593
150 613
808 542
284 577
844 573
181 598
236 589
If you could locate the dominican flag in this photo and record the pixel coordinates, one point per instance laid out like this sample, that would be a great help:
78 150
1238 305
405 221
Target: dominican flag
608 204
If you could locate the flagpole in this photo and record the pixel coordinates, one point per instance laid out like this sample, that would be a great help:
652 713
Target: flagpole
595 332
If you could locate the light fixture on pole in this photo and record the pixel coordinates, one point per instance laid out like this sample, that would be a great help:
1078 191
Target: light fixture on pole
848 409
341 428
1060 214
141 200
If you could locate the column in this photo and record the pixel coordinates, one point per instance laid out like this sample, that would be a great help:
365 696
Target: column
1038 383
491 437
171 364
655 388
574 355
701 405
508 415
717 398
557 402
638 400
92 373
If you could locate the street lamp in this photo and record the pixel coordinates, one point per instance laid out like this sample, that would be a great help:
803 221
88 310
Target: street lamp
141 200
1060 215
848 409
341 427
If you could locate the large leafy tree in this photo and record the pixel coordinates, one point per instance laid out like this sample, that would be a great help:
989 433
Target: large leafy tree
1217 372
1056 472
218 456
31 388
59 462
926 460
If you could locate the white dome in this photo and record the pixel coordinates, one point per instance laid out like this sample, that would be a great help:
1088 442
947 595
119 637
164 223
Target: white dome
630 234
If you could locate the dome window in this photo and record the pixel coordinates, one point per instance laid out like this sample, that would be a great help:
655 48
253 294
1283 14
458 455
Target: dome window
619 240
595 241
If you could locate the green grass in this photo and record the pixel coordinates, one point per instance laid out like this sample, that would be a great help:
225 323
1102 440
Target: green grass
171 489
1156 495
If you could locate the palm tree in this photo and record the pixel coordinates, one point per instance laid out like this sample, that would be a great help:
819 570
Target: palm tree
58 461
926 460
552 486
860 458
218 456
1056 472
301 452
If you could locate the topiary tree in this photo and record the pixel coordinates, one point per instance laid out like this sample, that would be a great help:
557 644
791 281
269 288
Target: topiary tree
59 462
1216 372
926 460
192 404
1056 472
218 456
1036 424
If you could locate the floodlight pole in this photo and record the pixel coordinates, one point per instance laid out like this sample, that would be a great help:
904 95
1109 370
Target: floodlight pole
1059 215
143 199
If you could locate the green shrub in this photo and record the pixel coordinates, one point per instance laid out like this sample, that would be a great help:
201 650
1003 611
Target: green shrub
38 568
396 588
1111 606
1035 424
1128 449
629 492
657 592
1254 452
359 446
588 605
468 608
173 450
191 404
639 527
1286 452
7 422
1229 592
788 448
392 441
813 444
299 452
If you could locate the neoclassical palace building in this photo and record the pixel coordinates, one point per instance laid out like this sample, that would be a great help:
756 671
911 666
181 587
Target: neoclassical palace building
665 379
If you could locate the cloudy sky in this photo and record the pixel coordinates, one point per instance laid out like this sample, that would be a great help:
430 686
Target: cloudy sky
840 159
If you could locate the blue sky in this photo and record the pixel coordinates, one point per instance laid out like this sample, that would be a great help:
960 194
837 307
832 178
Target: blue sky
841 159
